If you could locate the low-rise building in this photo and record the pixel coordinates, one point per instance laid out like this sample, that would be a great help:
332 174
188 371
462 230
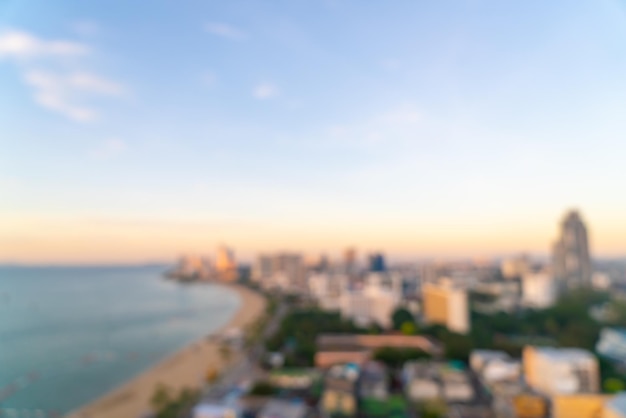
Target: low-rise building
612 344
373 381
278 408
579 405
339 396
560 371
425 381
356 348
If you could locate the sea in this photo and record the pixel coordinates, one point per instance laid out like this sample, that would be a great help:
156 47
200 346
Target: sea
68 335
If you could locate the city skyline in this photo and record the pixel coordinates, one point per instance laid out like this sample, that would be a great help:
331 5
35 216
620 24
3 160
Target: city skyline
420 130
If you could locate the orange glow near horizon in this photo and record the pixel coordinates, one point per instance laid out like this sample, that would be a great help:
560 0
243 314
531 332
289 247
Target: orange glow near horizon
72 241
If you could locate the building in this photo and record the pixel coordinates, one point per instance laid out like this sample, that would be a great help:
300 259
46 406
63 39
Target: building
612 344
494 366
214 410
446 305
326 289
285 271
426 381
358 348
373 381
579 406
571 259
350 260
278 408
560 371
339 397
225 264
514 267
538 290
377 263
375 302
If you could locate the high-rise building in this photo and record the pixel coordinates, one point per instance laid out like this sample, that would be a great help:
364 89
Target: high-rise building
284 270
225 264
446 305
560 371
377 263
349 259
571 260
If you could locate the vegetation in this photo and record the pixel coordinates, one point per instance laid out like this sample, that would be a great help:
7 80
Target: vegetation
400 317
394 406
432 409
299 330
262 388
167 405
395 357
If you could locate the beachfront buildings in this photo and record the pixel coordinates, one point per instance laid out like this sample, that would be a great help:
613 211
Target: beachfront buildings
225 264
374 302
446 304
571 259
286 271
560 371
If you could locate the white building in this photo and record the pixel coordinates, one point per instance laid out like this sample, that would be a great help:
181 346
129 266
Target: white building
612 344
326 289
375 302
560 371
538 290
285 271
495 366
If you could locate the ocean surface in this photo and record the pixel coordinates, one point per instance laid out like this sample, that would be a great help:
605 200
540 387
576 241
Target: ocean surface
70 334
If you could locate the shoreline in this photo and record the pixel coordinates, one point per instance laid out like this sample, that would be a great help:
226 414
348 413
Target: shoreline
185 368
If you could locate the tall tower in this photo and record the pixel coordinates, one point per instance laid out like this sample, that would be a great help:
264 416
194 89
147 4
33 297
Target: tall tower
571 260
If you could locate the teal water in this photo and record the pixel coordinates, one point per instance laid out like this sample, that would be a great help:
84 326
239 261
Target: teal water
70 334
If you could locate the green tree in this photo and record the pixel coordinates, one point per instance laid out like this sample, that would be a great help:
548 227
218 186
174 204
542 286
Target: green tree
262 388
613 385
161 397
408 328
400 316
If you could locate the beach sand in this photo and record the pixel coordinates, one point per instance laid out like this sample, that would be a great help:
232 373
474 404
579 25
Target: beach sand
186 368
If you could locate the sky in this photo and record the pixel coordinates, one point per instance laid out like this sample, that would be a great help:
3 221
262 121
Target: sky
138 131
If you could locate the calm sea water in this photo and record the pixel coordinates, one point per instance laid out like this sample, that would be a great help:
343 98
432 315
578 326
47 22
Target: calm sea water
69 335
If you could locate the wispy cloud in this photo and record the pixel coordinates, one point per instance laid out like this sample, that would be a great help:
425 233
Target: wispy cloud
225 30
265 91
109 148
65 93
19 44
65 89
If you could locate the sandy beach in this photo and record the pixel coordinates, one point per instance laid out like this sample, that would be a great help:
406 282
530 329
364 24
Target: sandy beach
186 368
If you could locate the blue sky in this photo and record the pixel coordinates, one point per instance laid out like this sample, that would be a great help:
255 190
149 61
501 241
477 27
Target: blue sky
422 128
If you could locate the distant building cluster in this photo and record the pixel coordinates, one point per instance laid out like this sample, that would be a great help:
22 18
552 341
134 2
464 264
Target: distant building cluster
350 375
197 268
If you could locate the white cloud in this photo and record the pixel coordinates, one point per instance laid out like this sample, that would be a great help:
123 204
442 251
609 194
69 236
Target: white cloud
225 30
109 148
265 91
18 44
65 89
66 93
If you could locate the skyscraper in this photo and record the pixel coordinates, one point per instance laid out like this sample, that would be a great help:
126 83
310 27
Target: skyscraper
377 263
225 263
571 260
